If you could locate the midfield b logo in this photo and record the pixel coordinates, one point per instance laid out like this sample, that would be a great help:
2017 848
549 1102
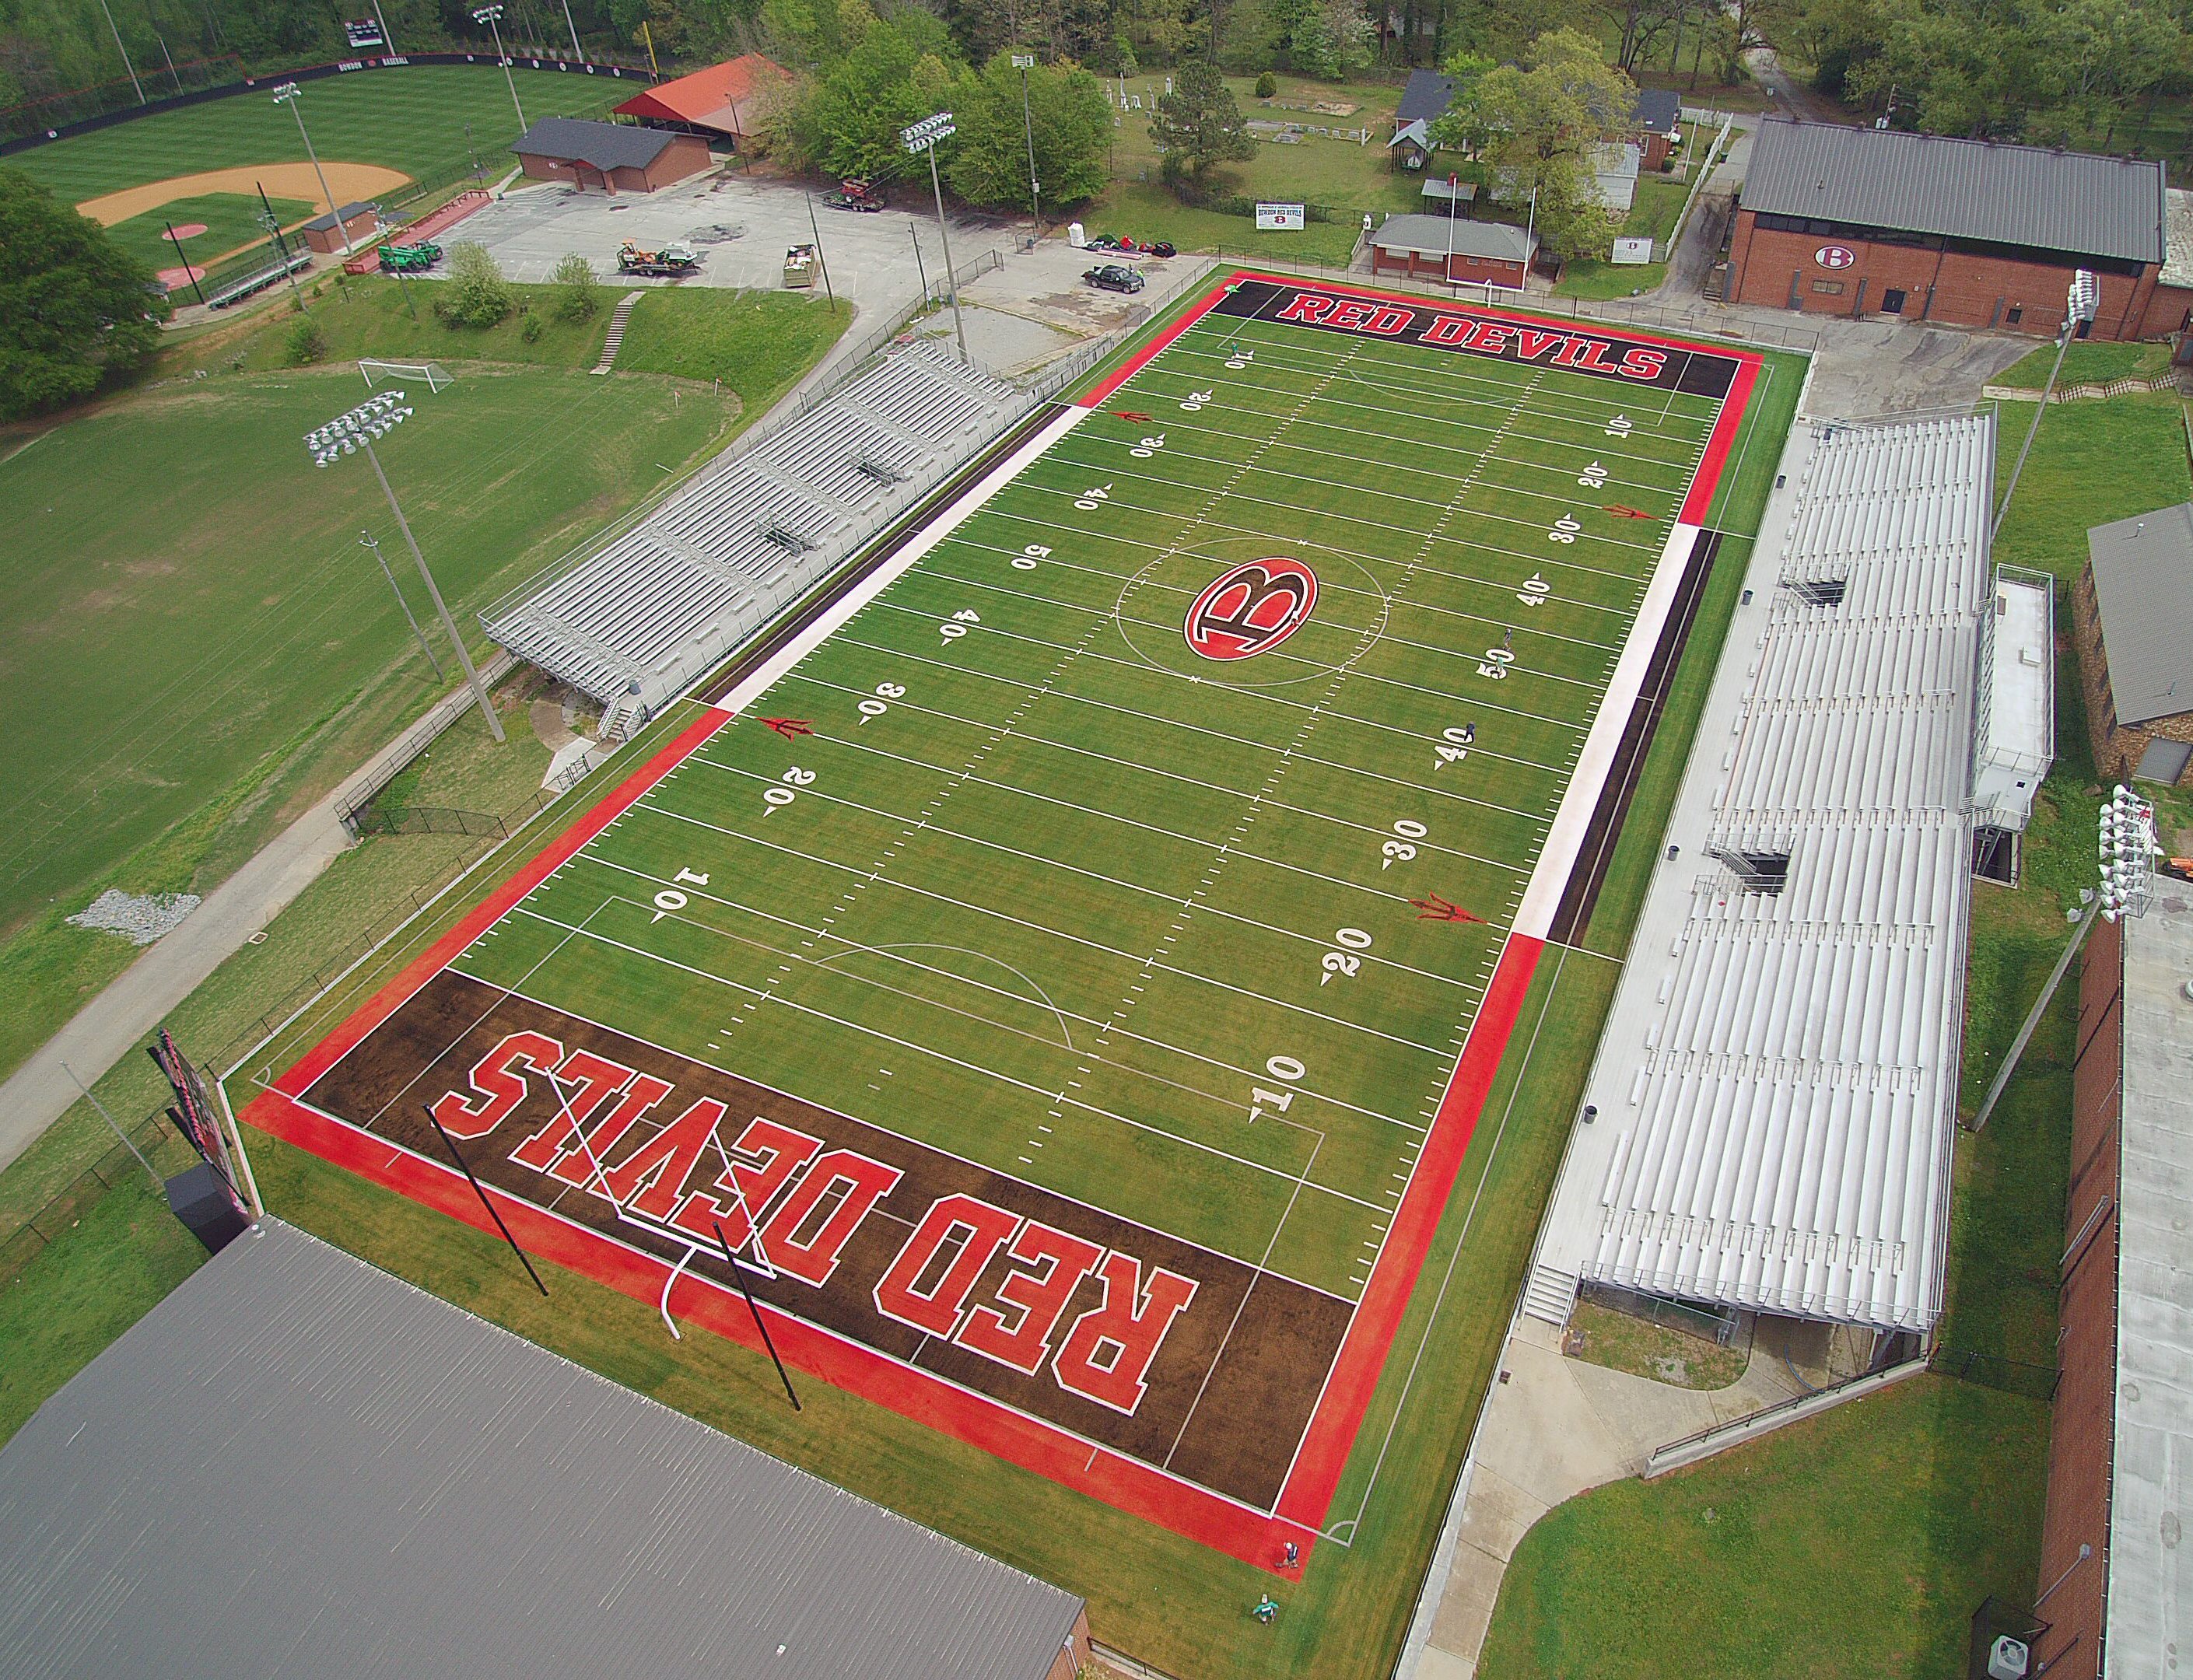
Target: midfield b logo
1252 609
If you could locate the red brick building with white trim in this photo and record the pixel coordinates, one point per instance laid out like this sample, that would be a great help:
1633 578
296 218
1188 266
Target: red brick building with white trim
1865 222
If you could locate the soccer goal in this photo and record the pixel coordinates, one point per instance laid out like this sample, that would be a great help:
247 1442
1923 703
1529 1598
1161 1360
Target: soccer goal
433 372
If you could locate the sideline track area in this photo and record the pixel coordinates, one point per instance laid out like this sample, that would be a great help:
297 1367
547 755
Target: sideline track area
1068 974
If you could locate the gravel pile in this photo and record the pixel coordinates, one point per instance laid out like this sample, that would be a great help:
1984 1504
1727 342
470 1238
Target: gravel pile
138 917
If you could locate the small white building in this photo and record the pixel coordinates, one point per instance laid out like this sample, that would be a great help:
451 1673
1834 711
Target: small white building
2014 702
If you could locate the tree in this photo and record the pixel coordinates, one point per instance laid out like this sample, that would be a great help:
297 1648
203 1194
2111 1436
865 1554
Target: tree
1324 38
1539 124
1197 127
1065 111
846 118
475 295
578 294
74 309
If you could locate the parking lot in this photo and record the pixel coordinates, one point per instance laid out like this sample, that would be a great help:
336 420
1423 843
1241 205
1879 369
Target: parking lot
1025 307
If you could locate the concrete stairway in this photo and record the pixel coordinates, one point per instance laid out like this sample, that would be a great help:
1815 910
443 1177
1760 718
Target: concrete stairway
618 316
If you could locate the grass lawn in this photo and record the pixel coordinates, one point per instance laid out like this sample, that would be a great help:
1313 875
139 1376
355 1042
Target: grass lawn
97 1278
1621 1342
1853 1546
231 221
266 658
413 119
2084 363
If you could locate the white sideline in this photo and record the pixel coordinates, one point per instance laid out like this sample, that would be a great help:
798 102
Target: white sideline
1564 844
828 623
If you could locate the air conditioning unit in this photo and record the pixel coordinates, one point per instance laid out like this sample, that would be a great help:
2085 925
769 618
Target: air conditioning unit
2008 1659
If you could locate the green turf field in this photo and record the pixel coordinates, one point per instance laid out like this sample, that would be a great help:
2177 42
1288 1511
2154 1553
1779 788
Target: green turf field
1133 879
231 221
412 119
908 939
1062 864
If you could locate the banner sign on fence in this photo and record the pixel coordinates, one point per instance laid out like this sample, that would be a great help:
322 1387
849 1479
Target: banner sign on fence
1279 218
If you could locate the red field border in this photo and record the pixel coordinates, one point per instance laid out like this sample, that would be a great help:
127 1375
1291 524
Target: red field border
1129 1484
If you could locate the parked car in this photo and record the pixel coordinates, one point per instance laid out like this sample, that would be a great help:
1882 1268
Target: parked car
1113 278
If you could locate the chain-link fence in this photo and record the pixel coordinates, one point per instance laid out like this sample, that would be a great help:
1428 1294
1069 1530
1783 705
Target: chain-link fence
154 1139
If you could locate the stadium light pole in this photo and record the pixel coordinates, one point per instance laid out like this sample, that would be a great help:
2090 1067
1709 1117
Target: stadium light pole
492 17
923 136
2081 305
388 41
1024 62
576 48
348 433
367 539
124 51
287 94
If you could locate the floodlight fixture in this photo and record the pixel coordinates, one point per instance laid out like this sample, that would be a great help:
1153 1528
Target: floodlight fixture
918 137
2084 301
355 429
2126 842
491 15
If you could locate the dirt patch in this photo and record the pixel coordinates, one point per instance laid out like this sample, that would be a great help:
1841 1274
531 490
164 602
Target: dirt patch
361 182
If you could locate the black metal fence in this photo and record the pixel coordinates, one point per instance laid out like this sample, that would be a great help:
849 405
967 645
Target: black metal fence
440 819
154 1137
1993 1370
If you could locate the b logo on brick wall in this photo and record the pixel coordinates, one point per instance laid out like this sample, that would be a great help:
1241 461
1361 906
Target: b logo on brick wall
1835 256
1250 609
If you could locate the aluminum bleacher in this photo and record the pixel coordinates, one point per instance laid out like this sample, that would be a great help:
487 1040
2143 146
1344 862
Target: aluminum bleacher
1773 1103
635 619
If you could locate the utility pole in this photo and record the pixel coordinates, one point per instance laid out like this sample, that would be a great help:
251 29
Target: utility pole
272 224
287 94
924 136
124 51
1025 62
821 261
2082 304
346 434
492 17
367 539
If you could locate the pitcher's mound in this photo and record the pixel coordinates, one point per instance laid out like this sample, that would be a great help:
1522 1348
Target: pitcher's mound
190 229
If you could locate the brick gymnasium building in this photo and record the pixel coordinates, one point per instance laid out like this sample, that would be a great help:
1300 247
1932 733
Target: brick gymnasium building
1866 222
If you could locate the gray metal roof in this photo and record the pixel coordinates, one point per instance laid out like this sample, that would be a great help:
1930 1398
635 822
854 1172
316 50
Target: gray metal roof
602 146
1428 236
1658 111
2144 591
325 221
2071 202
1428 95
2150 1587
298 1465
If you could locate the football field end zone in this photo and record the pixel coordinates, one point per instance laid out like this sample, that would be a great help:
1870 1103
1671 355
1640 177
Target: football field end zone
1125 1483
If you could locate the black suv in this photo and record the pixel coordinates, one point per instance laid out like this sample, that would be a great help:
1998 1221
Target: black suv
1113 278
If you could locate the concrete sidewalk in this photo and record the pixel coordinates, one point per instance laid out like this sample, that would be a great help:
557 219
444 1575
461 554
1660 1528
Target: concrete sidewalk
125 1014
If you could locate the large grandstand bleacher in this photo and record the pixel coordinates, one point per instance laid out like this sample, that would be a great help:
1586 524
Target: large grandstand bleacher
637 618
1773 1104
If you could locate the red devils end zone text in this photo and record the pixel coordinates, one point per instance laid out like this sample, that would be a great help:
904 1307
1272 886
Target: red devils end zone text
1250 609
702 1170
1164 1351
1498 337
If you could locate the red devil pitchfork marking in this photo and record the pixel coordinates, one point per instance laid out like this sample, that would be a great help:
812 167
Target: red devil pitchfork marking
1621 512
1130 416
789 726
1437 909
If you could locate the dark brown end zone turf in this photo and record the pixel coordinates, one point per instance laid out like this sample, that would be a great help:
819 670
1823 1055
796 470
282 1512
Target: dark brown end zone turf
1229 1390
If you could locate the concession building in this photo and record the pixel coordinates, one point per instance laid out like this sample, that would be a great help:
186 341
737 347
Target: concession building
1871 222
614 156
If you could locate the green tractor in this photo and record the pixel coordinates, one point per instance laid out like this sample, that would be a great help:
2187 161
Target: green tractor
410 259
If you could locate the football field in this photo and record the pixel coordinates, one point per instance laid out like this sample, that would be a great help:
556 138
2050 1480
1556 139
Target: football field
1064 979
